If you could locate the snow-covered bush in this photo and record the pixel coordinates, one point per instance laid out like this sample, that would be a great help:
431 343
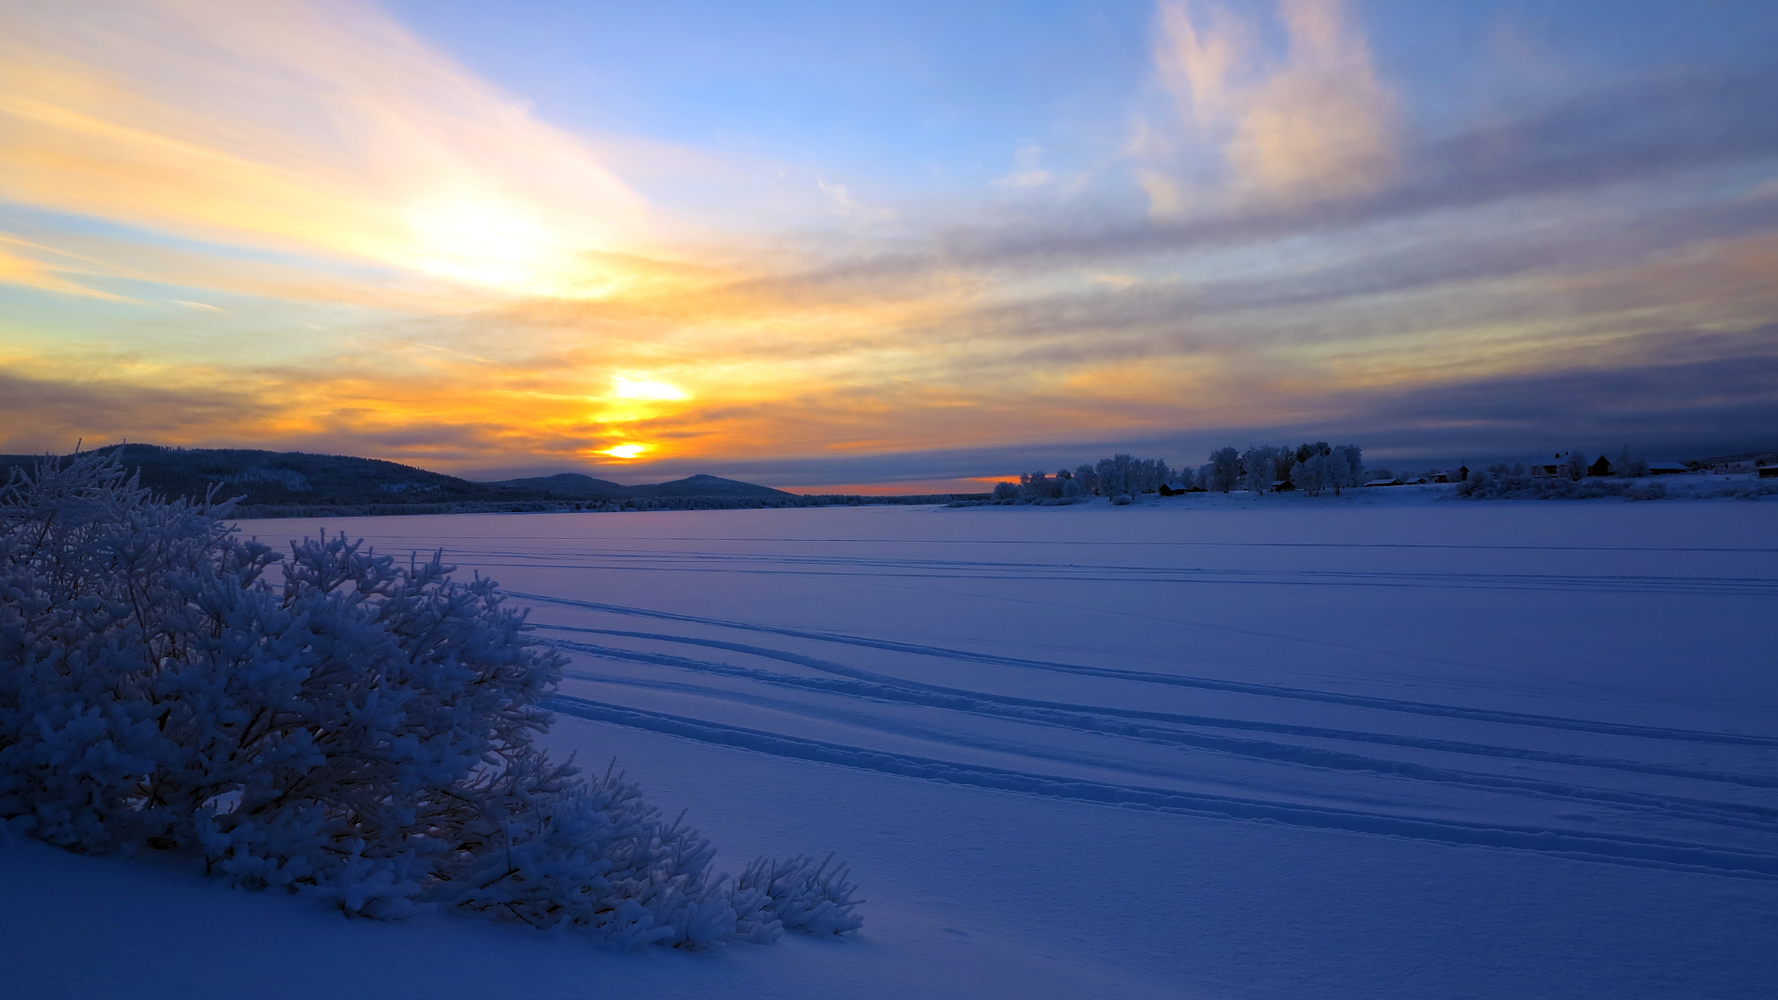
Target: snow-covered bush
804 895
1498 484
357 729
1629 466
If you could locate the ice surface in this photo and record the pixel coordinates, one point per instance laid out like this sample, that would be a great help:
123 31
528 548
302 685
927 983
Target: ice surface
1374 746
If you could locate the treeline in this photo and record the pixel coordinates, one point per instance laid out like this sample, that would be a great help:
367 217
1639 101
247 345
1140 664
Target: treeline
1121 476
1311 467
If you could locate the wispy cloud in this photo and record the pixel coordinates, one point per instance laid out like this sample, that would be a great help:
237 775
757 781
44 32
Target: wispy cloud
36 266
316 128
1316 125
1030 172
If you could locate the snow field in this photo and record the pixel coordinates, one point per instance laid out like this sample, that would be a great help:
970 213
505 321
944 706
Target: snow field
1366 747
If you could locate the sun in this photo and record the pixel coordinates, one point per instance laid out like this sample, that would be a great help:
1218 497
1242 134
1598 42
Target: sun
625 450
643 389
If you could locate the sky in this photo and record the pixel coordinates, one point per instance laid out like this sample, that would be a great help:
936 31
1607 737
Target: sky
888 247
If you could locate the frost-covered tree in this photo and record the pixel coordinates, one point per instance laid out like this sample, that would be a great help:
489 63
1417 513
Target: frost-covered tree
1575 465
1310 475
350 727
1126 475
1224 470
1322 467
1262 466
1117 475
1630 466
1348 466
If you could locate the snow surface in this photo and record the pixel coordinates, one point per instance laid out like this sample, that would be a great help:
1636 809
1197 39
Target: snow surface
1372 746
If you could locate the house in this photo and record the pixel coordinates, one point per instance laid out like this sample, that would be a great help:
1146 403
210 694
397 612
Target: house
1540 470
1384 482
1438 477
1175 488
1281 485
1600 468
1666 468
1768 472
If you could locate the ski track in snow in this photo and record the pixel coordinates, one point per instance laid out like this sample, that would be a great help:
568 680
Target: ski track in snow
858 683
1592 788
880 686
936 569
1733 814
1148 677
1617 849
1190 733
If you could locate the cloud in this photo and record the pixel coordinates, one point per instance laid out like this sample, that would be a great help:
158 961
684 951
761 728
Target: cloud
48 415
1029 173
1318 125
36 266
857 215
320 129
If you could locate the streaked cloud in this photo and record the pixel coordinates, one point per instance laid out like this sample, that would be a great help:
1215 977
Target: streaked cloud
46 268
316 128
1030 172
1316 124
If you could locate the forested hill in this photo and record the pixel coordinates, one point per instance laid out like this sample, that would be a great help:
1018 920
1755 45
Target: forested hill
281 477
290 483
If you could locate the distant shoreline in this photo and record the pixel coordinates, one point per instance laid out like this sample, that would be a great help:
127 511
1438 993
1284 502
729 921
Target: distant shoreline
267 512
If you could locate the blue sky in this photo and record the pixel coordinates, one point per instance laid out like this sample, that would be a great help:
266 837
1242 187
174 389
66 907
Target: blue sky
895 246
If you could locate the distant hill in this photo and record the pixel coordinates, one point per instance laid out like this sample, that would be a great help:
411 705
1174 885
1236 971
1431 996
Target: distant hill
282 477
708 486
291 478
574 486
569 485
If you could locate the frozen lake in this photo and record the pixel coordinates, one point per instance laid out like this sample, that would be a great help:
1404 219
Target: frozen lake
1367 747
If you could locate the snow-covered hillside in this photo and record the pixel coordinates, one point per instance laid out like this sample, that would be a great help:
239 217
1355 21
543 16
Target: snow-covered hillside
1373 746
